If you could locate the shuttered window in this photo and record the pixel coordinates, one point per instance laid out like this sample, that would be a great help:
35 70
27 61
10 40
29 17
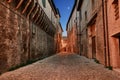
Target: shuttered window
44 3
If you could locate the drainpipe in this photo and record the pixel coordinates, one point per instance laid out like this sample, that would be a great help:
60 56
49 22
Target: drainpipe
76 44
104 32
80 31
107 33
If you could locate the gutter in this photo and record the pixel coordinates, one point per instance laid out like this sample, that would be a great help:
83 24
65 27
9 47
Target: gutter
104 32
107 33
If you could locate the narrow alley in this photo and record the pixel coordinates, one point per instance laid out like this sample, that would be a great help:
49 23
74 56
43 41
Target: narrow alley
59 39
62 66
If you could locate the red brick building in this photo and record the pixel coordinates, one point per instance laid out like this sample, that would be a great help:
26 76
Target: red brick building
58 38
64 43
100 31
113 25
72 31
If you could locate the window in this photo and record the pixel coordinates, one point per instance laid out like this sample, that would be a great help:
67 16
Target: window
93 4
75 20
44 3
80 15
33 29
116 9
85 15
81 47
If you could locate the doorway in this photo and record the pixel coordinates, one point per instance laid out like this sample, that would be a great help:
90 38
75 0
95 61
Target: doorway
116 50
119 44
94 47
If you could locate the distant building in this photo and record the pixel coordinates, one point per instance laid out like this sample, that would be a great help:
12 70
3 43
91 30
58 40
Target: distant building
58 37
64 43
72 30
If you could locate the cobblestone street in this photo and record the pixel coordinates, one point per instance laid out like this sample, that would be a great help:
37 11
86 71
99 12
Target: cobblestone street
62 66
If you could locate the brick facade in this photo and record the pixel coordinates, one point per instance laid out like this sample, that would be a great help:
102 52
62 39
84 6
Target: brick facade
92 31
100 31
23 38
114 32
72 32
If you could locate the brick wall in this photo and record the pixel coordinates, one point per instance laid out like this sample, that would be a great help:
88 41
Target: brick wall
114 33
20 39
93 16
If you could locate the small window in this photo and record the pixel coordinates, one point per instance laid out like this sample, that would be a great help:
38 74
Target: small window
93 4
75 20
33 29
81 47
44 3
85 15
80 15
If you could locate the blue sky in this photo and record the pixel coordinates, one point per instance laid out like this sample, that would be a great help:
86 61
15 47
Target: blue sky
65 8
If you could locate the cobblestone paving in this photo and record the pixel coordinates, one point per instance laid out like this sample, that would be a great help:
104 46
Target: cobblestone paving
62 67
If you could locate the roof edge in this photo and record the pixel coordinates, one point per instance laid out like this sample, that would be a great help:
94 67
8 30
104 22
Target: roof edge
71 13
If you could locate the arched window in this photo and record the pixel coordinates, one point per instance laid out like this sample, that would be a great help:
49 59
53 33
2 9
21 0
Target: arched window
44 3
